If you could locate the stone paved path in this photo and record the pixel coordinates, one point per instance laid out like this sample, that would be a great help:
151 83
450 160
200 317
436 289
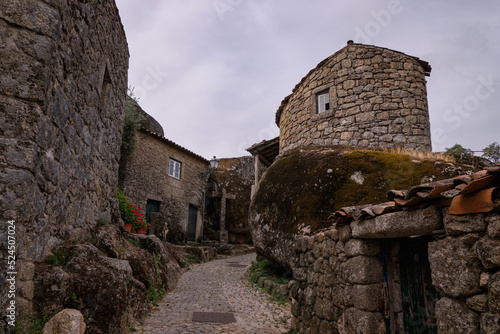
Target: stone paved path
216 287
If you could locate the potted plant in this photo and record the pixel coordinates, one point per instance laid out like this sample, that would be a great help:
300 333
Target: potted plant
140 225
131 215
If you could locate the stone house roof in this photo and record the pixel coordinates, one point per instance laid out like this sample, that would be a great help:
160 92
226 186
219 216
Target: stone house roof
466 194
425 65
267 150
173 144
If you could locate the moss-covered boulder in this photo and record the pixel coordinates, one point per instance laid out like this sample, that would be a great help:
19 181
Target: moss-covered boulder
303 187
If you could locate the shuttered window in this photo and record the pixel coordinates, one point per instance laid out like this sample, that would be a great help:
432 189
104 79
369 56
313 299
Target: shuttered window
175 168
322 102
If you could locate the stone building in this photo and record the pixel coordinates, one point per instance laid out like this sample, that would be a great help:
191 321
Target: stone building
165 178
363 96
263 154
427 261
228 201
63 80
188 204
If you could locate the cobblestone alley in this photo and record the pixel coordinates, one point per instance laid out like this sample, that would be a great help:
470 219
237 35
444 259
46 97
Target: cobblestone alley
218 286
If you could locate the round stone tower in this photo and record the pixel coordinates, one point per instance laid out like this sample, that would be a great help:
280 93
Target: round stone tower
363 96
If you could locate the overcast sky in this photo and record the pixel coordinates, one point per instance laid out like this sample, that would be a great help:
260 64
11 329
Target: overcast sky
214 72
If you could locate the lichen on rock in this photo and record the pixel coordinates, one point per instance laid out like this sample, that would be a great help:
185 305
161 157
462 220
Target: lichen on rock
304 186
110 281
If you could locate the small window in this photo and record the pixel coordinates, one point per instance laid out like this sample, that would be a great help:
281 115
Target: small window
322 102
174 168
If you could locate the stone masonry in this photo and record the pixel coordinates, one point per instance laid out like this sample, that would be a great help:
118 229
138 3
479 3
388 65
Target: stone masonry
340 274
146 177
63 80
378 99
228 200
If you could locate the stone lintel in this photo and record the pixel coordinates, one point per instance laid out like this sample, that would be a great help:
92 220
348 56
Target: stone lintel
399 224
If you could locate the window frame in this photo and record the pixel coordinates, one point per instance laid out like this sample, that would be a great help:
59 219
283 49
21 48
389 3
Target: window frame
318 96
172 168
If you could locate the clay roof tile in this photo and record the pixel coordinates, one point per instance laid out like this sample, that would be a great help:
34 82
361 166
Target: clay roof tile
465 194
392 194
475 202
171 143
494 169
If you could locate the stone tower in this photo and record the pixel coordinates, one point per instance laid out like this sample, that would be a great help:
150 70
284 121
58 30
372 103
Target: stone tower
363 96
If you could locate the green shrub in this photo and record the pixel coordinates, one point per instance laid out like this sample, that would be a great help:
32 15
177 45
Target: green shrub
191 258
153 294
265 268
103 219
492 152
292 331
35 328
131 124
134 242
278 297
59 258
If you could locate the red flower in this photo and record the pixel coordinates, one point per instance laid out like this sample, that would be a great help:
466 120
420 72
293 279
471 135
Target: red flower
149 225
144 227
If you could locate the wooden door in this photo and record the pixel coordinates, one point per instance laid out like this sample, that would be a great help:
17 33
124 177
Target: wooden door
192 219
151 206
419 295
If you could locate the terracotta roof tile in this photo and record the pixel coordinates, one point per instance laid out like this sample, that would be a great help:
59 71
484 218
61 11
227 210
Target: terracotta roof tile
392 194
494 169
481 183
465 194
474 202
171 143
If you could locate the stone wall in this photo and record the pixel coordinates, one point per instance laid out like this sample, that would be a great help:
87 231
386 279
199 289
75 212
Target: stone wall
298 192
146 177
62 89
229 189
378 99
342 273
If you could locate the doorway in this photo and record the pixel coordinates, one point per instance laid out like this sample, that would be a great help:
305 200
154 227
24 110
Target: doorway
192 220
151 206
419 296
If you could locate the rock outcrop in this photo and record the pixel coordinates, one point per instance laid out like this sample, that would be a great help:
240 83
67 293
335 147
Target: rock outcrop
63 85
146 120
302 187
112 281
407 265
67 321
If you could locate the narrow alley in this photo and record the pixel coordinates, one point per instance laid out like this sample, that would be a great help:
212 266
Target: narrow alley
219 286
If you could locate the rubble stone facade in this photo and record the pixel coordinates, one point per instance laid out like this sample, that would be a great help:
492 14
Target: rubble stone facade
356 278
377 99
146 178
62 91
228 200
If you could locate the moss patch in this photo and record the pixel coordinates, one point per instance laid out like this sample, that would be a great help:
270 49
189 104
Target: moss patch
303 187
